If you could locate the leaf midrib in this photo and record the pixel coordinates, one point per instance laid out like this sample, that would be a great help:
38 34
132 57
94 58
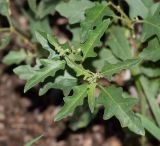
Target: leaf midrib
110 96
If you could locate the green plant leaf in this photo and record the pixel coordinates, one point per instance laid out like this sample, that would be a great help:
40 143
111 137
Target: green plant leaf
45 8
25 72
110 69
15 57
42 39
4 8
152 50
150 72
146 85
78 68
74 10
33 141
94 17
105 55
5 40
150 126
91 96
37 24
118 42
71 102
50 67
93 39
139 8
151 24
81 118
65 83
33 5
116 105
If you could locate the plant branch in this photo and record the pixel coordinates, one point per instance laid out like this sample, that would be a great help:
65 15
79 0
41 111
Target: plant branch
123 17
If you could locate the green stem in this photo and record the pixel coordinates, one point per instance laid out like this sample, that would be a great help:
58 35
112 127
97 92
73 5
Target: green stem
123 17
7 29
142 98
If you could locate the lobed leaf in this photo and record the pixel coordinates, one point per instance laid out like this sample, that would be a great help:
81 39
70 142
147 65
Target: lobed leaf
42 39
151 26
139 8
93 39
94 17
71 102
116 105
50 67
74 10
65 83
152 51
110 69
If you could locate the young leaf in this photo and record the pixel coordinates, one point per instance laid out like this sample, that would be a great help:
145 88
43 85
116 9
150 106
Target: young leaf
93 39
71 102
118 43
152 50
33 141
15 57
151 24
150 97
94 18
50 67
74 10
116 105
150 126
91 96
110 69
65 83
